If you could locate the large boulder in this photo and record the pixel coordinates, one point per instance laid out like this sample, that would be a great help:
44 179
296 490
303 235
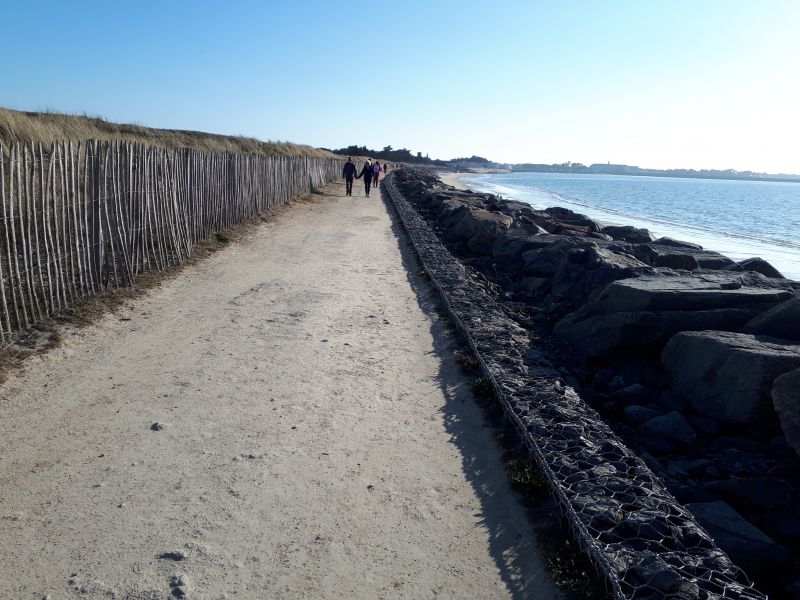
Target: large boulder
668 241
786 402
726 375
759 265
450 213
681 257
572 219
746 545
701 291
509 245
477 227
646 311
489 225
545 261
628 233
672 426
761 492
586 268
667 256
781 321
630 332
708 259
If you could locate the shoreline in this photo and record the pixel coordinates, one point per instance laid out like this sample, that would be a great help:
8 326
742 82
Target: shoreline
737 247
454 179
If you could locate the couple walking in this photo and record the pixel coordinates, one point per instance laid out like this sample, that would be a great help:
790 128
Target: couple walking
370 172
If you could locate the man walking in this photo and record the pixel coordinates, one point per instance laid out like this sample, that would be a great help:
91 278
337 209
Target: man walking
349 172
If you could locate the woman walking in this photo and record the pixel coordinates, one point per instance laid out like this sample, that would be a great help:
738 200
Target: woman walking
376 170
366 173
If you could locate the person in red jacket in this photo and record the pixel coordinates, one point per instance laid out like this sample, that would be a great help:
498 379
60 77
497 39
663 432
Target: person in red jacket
376 170
366 173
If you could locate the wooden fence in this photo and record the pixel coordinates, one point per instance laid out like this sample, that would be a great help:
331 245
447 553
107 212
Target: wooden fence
77 218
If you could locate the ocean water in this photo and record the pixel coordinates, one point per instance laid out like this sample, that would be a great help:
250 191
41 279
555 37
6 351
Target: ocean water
740 219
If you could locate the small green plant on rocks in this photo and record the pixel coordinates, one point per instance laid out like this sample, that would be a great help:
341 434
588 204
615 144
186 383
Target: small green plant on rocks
467 361
482 388
221 238
525 476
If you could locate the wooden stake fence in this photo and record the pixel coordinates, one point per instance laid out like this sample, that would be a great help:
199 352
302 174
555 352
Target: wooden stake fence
78 218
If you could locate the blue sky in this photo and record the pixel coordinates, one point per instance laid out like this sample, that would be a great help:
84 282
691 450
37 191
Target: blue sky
701 84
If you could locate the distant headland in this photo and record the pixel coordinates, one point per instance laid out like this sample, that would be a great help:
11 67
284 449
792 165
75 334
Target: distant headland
479 164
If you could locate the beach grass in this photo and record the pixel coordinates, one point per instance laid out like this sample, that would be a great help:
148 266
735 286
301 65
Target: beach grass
50 126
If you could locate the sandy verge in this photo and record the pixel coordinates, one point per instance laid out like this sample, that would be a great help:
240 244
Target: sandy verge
314 437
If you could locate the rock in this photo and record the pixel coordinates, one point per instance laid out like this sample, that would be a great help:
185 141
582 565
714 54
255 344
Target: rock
759 265
687 468
628 233
786 402
672 402
704 424
666 256
509 246
763 492
179 585
479 228
561 213
707 368
667 241
176 556
660 578
781 321
785 523
535 286
546 261
586 268
633 393
647 310
638 415
743 542
616 383
675 257
708 259
699 291
596 335
657 444
672 426
573 219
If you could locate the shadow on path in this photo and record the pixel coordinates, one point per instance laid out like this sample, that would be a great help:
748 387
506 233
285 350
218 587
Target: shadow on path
512 540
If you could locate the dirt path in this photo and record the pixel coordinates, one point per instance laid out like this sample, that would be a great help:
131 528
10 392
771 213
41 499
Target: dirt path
317 439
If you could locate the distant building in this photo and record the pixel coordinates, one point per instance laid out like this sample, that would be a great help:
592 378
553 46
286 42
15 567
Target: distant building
612 169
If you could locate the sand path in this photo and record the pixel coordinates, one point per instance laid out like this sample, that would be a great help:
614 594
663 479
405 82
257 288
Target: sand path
318 439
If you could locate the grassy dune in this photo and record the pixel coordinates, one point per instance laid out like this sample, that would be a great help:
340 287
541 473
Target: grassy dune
48 127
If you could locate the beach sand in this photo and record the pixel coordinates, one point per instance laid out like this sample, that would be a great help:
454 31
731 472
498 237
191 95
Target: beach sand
284 419
454 179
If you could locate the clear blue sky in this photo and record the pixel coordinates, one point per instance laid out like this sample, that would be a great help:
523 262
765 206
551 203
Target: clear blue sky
678 83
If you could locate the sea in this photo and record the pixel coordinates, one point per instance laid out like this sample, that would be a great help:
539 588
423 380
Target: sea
740 219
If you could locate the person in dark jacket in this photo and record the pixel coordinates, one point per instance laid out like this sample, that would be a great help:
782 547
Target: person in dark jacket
366 173
349 172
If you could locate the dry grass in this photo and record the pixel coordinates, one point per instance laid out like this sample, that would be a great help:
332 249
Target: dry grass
49 127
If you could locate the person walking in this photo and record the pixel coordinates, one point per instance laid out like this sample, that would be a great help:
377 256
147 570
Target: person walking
366 173
376 170
349 172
